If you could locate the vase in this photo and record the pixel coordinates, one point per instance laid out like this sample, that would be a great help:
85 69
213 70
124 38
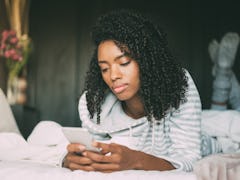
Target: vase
16 90
12 90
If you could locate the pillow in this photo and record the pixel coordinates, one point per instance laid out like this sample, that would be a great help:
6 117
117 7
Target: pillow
7 120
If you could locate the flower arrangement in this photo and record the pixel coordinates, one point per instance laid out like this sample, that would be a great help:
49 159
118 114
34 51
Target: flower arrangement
15 51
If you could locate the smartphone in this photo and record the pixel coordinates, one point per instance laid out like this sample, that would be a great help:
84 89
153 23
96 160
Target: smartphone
80 135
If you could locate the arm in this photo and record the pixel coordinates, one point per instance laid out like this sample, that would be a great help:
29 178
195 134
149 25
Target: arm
115 157
119 158
185 126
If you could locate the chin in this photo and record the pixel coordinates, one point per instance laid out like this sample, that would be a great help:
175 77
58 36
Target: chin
120 97
123 96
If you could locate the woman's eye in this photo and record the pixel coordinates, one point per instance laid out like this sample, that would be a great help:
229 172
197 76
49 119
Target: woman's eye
125 64
104 70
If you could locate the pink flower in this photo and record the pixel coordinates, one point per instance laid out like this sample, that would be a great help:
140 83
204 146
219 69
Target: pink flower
3 46
7 54
14 40
12 51
5 34
16 57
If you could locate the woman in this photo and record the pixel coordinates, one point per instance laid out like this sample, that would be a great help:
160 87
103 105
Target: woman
137 96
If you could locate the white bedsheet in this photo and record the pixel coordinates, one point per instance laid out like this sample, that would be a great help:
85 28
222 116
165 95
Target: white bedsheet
19 170
38 159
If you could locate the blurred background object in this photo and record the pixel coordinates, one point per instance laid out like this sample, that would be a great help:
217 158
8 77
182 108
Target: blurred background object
15 48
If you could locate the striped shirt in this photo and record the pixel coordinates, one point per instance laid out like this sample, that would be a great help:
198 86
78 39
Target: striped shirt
176 139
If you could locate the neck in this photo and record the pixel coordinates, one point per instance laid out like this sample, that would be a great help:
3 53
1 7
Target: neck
134 108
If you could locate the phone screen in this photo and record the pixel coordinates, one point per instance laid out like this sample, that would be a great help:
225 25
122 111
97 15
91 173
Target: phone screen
80 135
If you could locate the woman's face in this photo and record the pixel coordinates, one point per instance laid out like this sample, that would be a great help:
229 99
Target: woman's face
120 72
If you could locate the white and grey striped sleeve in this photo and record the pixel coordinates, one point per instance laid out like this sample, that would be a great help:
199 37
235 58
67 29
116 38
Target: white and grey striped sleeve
185 126
82 109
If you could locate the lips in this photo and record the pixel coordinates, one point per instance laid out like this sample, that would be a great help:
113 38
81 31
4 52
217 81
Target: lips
120 88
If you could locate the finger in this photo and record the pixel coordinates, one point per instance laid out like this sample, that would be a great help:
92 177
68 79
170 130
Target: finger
105 167
75 147
106 148
74 166
101 158
107 171
78 159
103 146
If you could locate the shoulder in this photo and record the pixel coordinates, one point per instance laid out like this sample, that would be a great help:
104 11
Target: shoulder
82 99
191 84
193 101
82 106
188 75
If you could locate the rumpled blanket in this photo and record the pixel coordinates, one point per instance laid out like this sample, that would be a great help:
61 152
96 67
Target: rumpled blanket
45 145
218 167
225 127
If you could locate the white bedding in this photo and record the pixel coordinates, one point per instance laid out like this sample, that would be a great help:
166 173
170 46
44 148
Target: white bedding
38 157
18 170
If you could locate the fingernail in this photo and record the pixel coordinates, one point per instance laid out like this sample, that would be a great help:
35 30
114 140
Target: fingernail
84 153
81 148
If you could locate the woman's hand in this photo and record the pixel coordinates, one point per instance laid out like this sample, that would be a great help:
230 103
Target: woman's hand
74 159
113 157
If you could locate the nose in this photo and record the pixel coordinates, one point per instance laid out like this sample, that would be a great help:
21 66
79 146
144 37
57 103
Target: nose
115 73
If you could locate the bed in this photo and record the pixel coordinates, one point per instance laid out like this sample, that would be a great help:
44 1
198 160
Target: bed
13 170
37 158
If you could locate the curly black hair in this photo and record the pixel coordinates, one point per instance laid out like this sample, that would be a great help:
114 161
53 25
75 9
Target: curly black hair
163 80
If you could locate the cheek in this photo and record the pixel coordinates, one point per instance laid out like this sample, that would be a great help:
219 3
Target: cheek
106 79
135 78
137 83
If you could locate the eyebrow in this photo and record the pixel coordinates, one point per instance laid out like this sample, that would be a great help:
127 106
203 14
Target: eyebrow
115 59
